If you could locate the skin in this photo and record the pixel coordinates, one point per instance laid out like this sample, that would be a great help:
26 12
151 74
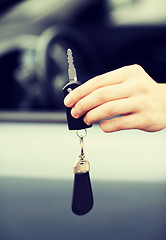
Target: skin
128 91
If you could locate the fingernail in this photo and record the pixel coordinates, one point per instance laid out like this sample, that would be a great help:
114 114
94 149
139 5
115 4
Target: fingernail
68 101
74 113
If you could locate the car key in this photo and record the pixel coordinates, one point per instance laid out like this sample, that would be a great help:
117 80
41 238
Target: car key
82 200
73 123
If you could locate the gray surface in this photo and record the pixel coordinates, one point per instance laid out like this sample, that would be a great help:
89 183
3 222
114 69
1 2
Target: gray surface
34 209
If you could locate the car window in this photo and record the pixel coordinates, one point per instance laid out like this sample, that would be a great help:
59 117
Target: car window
133 12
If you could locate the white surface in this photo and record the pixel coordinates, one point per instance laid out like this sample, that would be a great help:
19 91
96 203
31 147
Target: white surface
50 150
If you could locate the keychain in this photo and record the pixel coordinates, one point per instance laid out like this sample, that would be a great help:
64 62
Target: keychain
82 200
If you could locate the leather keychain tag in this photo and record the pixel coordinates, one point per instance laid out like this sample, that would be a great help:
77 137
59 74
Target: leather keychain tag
82 201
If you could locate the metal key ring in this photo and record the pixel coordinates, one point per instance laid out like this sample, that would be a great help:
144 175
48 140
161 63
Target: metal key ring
81 133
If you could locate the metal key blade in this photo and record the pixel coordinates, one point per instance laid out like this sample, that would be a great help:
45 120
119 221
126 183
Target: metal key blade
71 69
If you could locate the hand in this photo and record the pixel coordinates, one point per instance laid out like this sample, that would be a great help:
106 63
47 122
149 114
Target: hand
128 91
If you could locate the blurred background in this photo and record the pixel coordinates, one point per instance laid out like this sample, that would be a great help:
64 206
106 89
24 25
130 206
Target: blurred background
37 152
103 34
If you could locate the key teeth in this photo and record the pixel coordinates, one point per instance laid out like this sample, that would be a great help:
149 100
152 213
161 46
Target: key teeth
71 68
69 56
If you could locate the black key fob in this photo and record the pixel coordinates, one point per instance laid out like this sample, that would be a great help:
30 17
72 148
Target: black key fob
73 123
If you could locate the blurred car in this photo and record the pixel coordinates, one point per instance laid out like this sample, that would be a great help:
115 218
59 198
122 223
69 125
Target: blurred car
36 34
128 168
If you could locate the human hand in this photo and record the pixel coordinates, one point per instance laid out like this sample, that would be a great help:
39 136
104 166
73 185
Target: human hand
128 91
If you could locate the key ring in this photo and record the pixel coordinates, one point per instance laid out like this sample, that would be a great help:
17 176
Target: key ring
81 133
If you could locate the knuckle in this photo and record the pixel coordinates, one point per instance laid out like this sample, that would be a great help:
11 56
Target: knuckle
131 71
150 120
110 109
101 95
77 93
80 107
139 84
136 68
143 87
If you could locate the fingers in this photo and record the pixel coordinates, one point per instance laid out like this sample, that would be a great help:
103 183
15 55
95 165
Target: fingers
126 91
107 79
101 96
111 109
130 121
